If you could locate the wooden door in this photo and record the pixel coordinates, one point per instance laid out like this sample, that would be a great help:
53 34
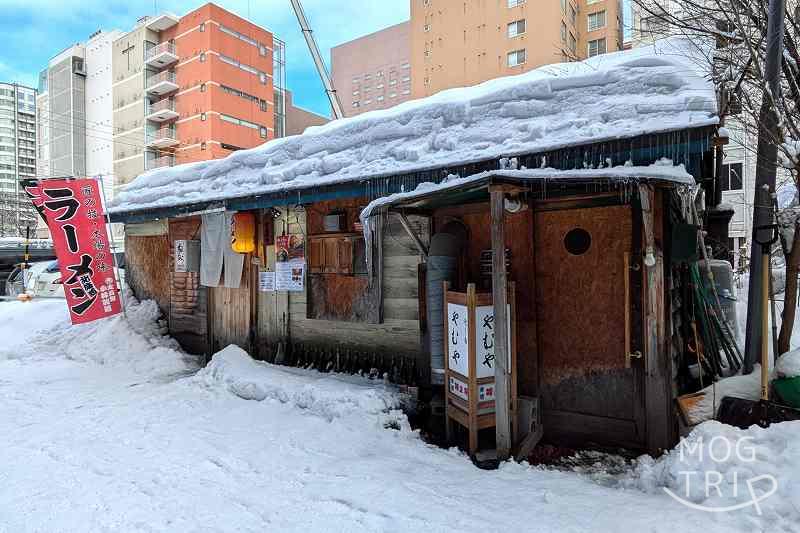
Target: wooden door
586 390
230 313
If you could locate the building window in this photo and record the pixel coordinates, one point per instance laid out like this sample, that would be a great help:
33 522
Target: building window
262 78
202 26
563 6
596 47
516 28
392 95
573 15
262 105
517 57
262 50
731 178
515 3
367 102
203 116
202 57
380 98
563 32
573 43
595 21
355 93
202 87
355 104
203 145
262 132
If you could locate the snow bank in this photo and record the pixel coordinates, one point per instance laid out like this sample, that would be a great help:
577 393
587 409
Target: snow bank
651 89
737 456
136 342
788 365
327 395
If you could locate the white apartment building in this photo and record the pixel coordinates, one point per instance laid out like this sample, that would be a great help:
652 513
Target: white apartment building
17 157
75 112
739 164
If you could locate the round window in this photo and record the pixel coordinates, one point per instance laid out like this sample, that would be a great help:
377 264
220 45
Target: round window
577 241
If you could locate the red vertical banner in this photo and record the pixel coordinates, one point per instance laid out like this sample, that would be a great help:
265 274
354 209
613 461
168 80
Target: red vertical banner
74 214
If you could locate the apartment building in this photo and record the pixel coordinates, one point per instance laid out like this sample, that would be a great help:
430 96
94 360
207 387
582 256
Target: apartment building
373 71
739 163
457 44
74 111
17 157
194 88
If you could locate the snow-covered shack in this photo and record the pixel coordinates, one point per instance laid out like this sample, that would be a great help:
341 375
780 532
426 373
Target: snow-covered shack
576 173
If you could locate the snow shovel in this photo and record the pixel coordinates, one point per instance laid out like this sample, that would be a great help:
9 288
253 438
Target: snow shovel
745 413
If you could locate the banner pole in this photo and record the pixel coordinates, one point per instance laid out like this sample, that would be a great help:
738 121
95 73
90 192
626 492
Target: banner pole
113 242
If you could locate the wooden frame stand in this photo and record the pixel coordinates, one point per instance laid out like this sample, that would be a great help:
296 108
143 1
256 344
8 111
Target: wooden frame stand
470 388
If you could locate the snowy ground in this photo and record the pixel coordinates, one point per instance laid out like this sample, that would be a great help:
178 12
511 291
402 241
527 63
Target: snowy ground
107 427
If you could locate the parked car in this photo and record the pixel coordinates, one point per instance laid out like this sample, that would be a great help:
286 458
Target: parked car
48 282
14 283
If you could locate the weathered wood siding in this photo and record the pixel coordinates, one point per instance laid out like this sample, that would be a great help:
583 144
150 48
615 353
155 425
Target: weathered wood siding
147 268
282 315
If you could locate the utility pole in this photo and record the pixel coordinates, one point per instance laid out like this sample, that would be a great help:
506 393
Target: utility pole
766 168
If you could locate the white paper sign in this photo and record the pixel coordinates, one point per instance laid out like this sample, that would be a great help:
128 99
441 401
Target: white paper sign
484 340
180 256
457 342
266 281
290 276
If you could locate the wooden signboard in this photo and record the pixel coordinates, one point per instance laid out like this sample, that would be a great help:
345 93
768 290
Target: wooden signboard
469 361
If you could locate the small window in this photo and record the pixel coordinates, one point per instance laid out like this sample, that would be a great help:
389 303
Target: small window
515 58
596 20
262 50
515 3
596 47
202 26
202 87
202 116
262 104
563 32
577 241
262 131
516 28
262 78
203 145
202 57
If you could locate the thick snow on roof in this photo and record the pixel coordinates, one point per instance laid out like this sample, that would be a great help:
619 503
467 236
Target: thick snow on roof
646 90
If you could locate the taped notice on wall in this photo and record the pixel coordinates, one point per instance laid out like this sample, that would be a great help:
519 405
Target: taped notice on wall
290 276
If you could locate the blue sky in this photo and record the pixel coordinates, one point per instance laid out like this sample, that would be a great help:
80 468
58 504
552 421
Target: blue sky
35 30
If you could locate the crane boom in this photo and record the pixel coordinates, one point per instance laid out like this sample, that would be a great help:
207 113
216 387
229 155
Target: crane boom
336 106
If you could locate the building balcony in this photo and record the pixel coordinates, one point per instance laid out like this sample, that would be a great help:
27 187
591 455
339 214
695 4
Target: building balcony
161 83
161 22
160 162
162 111
162 138
161 55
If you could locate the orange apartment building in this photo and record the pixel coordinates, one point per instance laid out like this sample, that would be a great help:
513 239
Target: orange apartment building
194 88
458 44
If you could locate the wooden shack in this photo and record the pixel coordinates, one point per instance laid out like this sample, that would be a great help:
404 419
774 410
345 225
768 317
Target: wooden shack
349 217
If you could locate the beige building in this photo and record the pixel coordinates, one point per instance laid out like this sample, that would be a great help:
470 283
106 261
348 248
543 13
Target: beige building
373 71
298 118
457 44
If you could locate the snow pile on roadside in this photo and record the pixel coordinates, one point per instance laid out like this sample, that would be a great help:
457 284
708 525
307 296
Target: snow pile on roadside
327 395
135 342
730 457
656 88
788 365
